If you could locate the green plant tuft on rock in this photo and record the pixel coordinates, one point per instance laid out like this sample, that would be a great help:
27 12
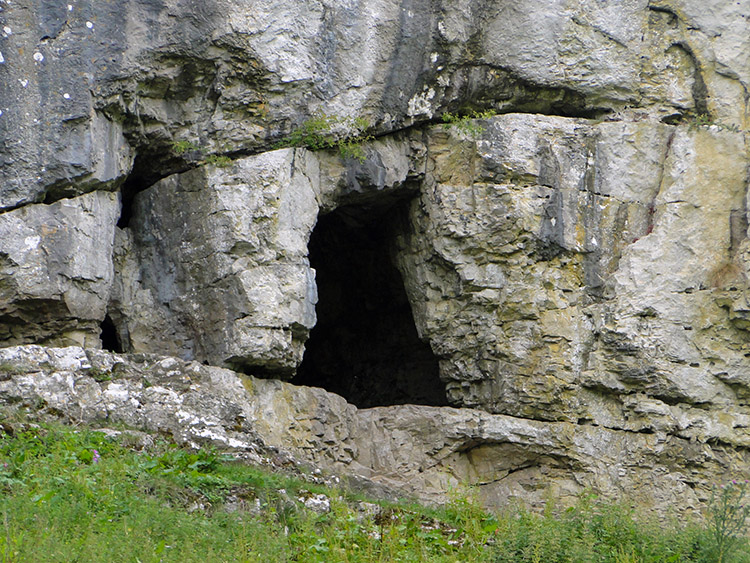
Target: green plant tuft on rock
221 161
465 122
182 147
99 375
705 120
323 131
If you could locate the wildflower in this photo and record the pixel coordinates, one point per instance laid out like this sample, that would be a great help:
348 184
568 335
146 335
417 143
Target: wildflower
95 459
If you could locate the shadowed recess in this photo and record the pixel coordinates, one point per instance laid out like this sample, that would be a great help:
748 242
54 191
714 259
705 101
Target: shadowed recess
110 339
365 346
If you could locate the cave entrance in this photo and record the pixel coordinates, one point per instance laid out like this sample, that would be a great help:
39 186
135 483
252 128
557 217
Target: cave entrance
109 337
364 345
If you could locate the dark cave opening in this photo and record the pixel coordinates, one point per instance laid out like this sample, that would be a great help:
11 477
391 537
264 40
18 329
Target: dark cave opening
109 337
364 345
127 195
136 182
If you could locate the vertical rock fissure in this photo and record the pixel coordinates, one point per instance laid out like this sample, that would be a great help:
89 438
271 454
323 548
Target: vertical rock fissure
135 183
365 345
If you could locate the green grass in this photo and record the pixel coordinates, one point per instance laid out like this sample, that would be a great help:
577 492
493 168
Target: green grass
75 495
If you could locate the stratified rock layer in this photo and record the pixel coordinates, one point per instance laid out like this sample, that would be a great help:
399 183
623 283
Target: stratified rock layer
87 85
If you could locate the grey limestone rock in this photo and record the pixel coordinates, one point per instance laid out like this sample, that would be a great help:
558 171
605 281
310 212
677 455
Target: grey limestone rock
56 270
221 271
88 85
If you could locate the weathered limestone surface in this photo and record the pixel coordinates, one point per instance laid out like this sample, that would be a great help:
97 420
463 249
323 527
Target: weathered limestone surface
88 84
56 270
222 272
579 264
407 450
568 270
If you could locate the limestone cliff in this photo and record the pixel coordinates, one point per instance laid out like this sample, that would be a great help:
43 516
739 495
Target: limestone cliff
549 297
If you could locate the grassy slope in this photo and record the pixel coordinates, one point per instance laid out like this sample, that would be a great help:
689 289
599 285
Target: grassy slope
76 495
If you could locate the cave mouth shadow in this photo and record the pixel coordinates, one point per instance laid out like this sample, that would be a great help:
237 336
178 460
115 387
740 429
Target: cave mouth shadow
109 337
365 345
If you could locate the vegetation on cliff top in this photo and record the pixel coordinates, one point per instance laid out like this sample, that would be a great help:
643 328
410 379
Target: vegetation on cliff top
72 494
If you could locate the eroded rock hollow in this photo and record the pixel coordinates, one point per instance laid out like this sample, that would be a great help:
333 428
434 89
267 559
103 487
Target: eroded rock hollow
365 346
520 232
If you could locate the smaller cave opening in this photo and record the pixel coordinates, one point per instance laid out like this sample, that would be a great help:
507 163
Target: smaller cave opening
365 346
133 184
109 337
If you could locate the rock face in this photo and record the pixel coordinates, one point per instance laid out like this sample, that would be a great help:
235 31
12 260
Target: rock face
569 271
56 270
86 87
565 270
408 450
241 292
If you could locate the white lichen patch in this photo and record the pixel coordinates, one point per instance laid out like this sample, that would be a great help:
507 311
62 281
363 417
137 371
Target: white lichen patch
31 242
117 393
420 104
442 29
208 434
72 358
318 503
168 363
187 418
